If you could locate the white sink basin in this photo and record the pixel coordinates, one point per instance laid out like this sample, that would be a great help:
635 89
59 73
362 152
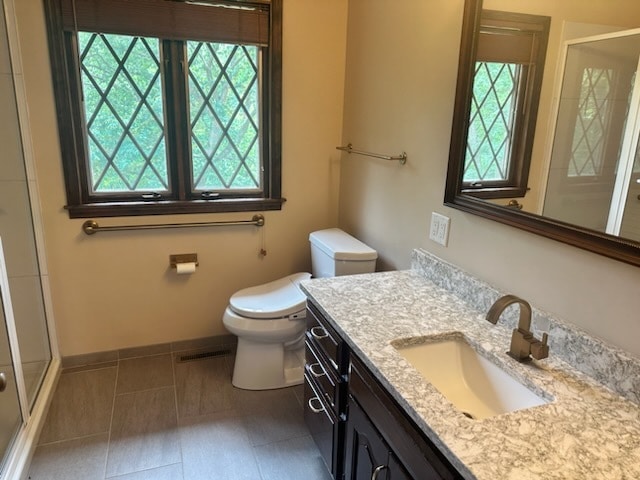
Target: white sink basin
476 386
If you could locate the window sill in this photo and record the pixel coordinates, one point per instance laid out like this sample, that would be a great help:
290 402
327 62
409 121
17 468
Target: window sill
495 192
168 207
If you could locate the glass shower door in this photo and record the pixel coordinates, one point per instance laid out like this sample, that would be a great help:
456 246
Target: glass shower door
26 379
10 413
18 232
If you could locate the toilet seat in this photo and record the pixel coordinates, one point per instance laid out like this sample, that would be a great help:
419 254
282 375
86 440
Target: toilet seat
281 298
264 330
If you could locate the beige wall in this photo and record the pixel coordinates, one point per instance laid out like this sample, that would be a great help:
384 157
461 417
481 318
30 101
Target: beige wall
400 87
116 290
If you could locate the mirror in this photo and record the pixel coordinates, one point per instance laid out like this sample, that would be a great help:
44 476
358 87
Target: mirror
559 203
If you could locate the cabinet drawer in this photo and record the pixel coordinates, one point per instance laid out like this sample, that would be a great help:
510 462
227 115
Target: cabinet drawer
323 376
321 422
322 336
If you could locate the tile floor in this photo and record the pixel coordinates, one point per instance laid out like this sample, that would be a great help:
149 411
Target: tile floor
158 418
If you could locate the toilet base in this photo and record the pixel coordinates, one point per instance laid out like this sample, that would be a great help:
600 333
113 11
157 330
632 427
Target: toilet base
267 366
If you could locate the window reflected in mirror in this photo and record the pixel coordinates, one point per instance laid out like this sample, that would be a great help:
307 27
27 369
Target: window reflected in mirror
508 71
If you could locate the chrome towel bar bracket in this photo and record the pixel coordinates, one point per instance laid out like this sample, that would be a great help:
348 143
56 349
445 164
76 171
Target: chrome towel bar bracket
402 158
91 227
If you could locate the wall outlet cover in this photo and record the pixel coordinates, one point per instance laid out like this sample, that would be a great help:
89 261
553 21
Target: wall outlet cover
439 230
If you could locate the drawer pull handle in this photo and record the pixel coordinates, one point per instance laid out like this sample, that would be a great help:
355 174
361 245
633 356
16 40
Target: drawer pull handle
319 336
316 373
319 409
377 471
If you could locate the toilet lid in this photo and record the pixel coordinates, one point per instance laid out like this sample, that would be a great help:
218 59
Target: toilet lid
271 300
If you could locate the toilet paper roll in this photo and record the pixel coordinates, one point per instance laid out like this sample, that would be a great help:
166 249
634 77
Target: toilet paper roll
185 268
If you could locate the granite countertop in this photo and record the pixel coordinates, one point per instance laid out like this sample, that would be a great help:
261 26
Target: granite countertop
586 431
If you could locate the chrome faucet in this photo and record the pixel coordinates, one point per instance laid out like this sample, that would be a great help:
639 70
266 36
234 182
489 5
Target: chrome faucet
523 343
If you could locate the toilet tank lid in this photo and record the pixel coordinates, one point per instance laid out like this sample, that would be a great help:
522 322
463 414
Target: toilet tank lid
275 299
339 245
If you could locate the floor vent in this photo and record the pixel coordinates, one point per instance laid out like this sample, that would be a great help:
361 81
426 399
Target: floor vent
202 355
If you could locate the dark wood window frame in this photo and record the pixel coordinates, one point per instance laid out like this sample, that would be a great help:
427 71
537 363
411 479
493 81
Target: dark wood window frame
66 83
533 29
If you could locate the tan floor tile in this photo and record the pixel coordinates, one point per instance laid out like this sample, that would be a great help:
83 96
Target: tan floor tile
144 373
81 405
144 432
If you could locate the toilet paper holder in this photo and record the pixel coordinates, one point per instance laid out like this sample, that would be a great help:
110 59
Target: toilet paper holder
174 260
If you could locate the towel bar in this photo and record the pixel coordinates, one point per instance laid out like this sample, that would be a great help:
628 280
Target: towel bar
402 158
91 227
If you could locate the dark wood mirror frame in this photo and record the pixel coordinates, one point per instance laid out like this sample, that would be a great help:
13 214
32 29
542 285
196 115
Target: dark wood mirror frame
608 245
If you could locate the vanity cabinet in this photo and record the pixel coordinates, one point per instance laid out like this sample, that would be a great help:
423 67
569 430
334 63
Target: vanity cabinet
359 428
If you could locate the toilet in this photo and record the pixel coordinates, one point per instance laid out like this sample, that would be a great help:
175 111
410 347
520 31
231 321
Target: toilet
269 319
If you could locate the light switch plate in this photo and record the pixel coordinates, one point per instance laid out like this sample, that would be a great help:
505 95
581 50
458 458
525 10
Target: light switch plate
439 230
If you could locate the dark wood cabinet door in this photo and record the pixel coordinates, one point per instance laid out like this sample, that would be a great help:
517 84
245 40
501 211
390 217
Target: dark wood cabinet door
366 450
396 470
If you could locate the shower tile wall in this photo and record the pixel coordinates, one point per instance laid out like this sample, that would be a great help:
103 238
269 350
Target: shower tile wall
160 418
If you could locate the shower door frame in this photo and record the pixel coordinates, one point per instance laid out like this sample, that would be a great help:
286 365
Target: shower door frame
14 354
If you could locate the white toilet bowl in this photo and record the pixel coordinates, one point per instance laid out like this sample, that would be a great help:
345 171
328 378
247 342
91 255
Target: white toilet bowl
269 321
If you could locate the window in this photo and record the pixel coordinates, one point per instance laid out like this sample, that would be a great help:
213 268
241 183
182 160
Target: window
508 75
167 107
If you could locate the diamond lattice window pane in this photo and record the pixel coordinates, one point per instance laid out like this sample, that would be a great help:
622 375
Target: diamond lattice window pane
587 150
491 122
224 115
123 106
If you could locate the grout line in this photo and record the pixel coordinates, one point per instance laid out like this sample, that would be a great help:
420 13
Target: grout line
150 469
113 408
133 392
63 440
88 368
175 397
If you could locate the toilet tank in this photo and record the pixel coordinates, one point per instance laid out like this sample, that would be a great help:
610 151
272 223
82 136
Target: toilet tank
335 253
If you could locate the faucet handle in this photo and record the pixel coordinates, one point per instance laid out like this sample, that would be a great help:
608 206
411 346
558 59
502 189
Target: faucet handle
540 349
